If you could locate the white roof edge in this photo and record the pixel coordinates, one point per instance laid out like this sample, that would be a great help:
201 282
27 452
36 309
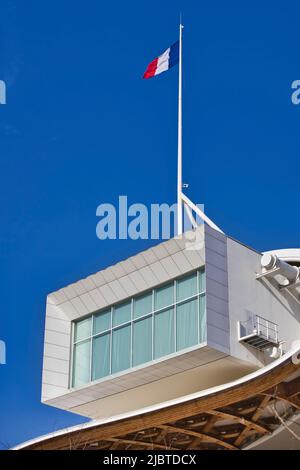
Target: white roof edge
153 247
289 255
295 350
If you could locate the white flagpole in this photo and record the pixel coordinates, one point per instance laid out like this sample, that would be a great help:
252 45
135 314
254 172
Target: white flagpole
179 163
184 202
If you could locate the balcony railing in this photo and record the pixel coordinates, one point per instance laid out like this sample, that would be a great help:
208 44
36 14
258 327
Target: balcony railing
258 332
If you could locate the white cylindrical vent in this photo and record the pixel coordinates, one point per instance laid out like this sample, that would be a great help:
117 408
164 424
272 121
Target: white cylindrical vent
284 274
268 261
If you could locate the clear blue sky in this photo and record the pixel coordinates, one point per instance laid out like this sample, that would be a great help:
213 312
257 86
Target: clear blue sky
81 127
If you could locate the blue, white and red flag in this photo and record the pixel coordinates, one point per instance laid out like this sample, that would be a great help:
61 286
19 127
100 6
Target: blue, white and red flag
164 62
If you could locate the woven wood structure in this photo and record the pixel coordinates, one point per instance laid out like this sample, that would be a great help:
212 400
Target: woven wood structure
231 418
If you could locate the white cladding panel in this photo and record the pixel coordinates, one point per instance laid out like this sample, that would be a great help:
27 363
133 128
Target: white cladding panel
217 290
232 291
139 273
247 296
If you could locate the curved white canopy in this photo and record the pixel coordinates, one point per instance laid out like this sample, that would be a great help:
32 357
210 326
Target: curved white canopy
290 255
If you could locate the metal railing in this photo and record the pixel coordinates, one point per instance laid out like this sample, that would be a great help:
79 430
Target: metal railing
259 326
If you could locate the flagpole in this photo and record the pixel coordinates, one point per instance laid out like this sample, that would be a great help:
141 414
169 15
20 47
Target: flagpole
179 159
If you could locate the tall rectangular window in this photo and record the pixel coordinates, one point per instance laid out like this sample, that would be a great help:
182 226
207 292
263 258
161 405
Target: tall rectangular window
142 341
187 287
102 321
202 319
164 333
165 320
83 329
121 349
202 281
187 324
122 313
81 363
101 356
142 305
164 296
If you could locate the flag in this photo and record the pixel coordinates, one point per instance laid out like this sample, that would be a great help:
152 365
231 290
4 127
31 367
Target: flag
164 62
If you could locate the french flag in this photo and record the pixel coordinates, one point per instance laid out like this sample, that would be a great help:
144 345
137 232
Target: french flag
164 62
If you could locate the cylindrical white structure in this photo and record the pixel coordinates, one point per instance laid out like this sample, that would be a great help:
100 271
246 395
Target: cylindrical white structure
289 273
268 261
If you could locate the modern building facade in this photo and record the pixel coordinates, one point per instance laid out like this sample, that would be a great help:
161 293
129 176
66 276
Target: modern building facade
192 317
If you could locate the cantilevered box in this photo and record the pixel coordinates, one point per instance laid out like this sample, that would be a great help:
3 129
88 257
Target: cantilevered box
169 321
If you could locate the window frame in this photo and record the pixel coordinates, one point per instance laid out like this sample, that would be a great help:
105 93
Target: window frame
200 293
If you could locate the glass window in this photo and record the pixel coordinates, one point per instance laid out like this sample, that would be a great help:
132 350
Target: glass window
142 341
101 356
187 324
164 296
129 334
121 349
102 321
122 313
81 363
202 281
164 333
187 287
83 329
202 318
142 305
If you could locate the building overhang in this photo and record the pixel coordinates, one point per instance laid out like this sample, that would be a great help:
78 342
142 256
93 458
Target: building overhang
233 295
146 270
231 416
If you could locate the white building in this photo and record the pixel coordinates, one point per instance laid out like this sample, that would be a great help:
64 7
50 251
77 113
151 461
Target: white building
190 317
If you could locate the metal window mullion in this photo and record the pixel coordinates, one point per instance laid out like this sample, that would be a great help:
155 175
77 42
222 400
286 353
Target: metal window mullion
111 340
101 333
82 339
131 333
71 372
145 315
91 347
198 318
198 304
175 314
165 307
201 289
152 313
188 299
174 306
